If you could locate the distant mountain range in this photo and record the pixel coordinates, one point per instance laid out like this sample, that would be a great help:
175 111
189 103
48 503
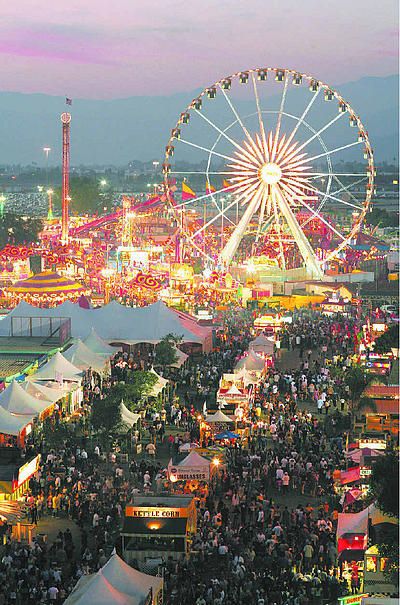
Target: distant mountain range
118 131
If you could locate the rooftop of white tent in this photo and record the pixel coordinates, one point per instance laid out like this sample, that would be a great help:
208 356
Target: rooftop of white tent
18 401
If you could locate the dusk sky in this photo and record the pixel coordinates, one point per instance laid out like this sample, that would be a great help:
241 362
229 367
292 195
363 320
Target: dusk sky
110 49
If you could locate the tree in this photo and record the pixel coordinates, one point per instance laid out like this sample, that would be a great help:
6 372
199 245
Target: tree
165 351
384 483
18 230
388 340
384 488
106 418
138 385
87 195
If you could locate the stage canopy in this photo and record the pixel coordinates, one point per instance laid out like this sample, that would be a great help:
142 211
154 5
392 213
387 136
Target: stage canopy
117 323
17 401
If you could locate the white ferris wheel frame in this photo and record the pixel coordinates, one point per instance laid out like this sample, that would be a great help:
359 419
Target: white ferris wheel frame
277 200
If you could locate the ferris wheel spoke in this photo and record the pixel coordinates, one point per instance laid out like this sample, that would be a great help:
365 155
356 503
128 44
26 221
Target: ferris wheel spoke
337 199
284 202
279 121
248 191
346 187
225 157
236 236
278 224
237 116
201 172
294 194
262 213
200 197
260 119
316 175
314 136
321 155
227 137
298 124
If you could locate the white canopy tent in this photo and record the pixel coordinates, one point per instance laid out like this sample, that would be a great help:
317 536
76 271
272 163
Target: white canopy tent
115 323
58 369
218 417
42 392
182 357
17 401
159 386
128 417
12 425
84 358
193 466
262 344
251 363
98 345
117 583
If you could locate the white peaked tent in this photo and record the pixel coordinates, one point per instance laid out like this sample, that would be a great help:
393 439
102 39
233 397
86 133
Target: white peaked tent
182 357
251 363
262 344
12 425
58 368
17 401
233 390
194 460
128 417
84 358
117 583
42 392
98 346
193 466
159 386
218 417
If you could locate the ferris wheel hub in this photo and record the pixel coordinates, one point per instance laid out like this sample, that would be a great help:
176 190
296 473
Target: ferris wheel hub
270 173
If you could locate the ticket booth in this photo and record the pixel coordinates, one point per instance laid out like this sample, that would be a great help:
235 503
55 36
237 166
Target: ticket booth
156 527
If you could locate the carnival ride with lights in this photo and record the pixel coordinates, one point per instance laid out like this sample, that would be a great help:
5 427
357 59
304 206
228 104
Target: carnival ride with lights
273 167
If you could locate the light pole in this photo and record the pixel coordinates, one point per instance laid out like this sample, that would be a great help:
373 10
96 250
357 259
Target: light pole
46 151
2 202
50 205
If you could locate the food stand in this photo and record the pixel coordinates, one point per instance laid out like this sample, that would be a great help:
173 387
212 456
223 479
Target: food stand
157 526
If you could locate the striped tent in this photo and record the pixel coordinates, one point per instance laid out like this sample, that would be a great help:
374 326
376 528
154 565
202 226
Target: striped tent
46 289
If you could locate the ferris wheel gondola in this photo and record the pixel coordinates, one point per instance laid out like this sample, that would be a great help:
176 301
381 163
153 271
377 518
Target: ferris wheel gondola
278 175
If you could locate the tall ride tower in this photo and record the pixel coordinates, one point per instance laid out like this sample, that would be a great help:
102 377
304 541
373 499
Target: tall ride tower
65 120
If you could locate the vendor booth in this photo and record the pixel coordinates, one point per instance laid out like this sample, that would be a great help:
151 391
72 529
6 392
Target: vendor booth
156 526
15 476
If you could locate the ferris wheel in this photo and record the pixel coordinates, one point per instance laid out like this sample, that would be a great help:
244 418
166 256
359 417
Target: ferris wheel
269 164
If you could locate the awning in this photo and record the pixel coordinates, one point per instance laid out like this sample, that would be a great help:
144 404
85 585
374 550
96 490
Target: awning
134 526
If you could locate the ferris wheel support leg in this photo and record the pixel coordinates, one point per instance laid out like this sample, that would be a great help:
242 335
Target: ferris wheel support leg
302 242
232 245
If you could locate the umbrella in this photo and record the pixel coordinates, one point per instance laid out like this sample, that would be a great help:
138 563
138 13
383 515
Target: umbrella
226 435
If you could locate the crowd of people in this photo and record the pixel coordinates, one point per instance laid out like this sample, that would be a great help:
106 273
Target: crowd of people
266 530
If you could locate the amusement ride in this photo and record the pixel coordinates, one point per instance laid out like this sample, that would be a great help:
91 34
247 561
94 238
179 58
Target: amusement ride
272 182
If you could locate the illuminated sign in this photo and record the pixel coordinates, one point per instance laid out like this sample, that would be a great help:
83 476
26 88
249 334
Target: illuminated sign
352 599
27 470
145 512
365 471
373 444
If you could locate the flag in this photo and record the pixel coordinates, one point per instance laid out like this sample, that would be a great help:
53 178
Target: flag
210 188
187 193
226 185
68 101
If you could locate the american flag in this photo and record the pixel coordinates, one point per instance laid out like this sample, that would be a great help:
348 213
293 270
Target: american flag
68 101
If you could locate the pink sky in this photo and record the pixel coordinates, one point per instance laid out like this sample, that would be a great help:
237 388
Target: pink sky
118 48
